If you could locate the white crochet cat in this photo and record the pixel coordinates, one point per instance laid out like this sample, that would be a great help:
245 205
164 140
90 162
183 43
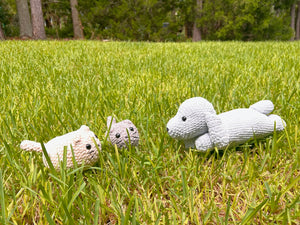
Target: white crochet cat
198 125
82 141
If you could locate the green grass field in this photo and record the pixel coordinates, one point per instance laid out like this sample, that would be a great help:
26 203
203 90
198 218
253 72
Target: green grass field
50 88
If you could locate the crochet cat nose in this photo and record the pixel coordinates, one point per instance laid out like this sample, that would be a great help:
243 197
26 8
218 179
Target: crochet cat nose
167 129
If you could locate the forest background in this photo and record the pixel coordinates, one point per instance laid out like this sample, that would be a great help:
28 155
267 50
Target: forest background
151 20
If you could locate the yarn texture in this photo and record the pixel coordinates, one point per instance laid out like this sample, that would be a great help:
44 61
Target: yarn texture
83 142
198 125
122 133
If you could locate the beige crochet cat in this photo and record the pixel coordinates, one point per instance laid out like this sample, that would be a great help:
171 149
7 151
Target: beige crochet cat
82 141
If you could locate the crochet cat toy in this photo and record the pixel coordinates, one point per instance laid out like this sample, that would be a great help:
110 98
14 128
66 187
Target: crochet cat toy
82 141
118 133
198 125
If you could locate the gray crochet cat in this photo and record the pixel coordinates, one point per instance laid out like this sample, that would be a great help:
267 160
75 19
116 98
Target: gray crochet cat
118 133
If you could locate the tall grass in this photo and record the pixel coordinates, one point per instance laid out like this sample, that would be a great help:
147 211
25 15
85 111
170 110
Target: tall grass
50 88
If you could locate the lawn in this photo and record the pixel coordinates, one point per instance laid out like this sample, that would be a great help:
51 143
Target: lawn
50 88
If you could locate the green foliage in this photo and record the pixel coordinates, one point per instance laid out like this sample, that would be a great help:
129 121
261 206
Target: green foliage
50 88
3 13
57 15
129 20
8 20
249 20
168 20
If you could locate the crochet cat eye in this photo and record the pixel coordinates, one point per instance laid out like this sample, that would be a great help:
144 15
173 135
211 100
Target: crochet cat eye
183 118
131 128
88 146
118 135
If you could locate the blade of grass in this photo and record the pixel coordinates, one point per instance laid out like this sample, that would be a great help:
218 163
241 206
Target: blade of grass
48 160
75 195
97 208
128 211
292 184
67 212
227 212
48 217
2 199
252 212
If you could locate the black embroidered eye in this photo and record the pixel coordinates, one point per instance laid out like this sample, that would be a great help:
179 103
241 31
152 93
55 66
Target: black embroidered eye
183 118
118 135
131 128
88 146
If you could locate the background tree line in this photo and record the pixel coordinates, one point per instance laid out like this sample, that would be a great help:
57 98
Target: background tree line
153 20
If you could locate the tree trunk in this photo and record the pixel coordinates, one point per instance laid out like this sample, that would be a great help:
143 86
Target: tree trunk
196 29
77 27
2 37
293 14
196 33
37 18
24 19
298 22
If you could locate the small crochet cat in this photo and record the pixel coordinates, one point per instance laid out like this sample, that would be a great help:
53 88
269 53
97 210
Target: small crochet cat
121 133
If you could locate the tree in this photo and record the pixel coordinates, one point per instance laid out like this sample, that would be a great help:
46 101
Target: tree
2 37
37 18
298 23
77 27
24 19
287 7
3 18
293 14
157 20
196 29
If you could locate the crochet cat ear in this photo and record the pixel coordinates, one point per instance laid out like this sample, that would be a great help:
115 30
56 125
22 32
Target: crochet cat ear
128 122
110 120
84 128
218 135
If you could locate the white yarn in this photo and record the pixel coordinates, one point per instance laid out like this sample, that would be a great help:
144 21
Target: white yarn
82 142
198 125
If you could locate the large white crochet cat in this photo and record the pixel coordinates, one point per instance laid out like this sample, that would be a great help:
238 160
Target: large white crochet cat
198 125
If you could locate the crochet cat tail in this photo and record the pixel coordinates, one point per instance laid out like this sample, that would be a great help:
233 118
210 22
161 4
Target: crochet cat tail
31 146
264 107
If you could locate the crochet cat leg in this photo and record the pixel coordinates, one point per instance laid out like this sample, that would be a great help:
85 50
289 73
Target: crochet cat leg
266 107
204 143
278 122
216 136
216 130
